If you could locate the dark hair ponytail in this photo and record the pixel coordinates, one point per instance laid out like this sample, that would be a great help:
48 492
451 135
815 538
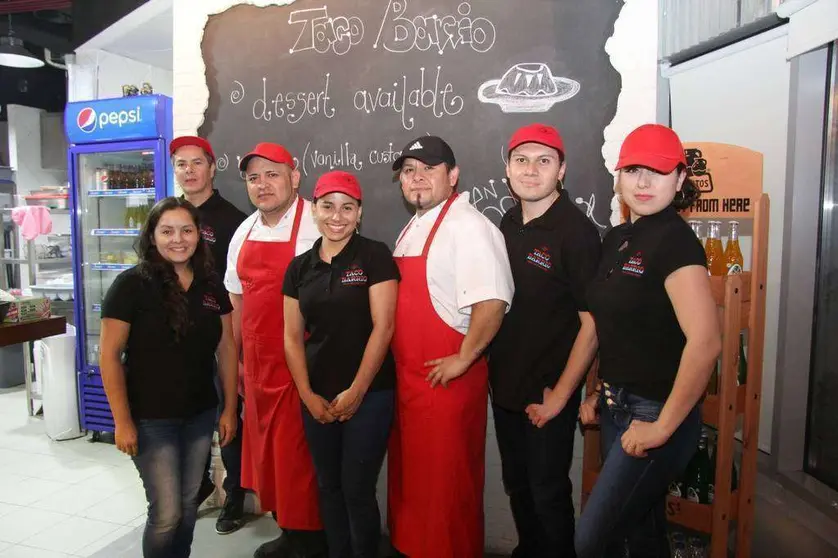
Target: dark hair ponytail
154 268
688 195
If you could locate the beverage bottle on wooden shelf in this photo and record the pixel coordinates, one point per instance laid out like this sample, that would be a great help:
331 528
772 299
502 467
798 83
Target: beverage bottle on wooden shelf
733 255
713 250
676 488
697 479
742 368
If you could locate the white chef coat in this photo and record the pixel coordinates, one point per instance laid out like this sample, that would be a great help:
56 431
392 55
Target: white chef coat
260 232
467 261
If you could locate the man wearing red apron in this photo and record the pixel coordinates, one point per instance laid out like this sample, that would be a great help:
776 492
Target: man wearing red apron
276 462
456 286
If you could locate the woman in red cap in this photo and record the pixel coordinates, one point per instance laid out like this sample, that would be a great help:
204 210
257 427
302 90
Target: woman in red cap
342 293
659 339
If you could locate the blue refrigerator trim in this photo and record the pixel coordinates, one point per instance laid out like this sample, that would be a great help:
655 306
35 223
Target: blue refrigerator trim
162 187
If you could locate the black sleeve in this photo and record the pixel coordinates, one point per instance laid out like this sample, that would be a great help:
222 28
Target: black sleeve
120 301
581 254
380 264
291 283
223 298
679 247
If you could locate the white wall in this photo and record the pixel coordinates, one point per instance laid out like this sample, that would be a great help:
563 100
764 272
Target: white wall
633 50
4 144
97 74
740 95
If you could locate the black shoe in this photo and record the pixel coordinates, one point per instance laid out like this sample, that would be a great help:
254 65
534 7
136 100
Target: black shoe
206 490
280 547
231 518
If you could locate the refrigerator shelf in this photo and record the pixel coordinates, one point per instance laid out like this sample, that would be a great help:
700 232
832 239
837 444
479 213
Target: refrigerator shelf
97 307
114 232
98 266
147 192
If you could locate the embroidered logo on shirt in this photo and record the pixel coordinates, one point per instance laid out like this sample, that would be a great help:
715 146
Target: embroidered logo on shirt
634 265
353 275
208 234
416 145
540 258
211 303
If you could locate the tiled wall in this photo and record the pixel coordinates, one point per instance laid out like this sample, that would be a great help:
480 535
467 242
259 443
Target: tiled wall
633 51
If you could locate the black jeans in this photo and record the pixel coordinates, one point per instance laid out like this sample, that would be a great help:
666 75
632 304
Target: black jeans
535 466
347 460
627 507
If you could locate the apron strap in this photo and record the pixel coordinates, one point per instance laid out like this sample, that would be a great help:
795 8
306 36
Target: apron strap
437 223
297 219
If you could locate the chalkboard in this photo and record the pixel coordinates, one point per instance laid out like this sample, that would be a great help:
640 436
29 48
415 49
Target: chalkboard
346 85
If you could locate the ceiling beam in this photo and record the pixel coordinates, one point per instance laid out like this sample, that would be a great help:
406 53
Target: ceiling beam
20 6
40 33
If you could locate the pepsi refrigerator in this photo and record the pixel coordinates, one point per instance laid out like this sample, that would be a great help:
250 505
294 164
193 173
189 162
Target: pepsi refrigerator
118 167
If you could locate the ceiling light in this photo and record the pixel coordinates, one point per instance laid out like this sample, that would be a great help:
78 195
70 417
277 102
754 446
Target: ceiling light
13 54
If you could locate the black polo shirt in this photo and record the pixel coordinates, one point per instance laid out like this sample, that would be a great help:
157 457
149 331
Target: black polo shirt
553 258
640 340
335 303
219 220
167 378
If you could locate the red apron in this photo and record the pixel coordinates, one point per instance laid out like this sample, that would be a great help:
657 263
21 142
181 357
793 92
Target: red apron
276 462
437 447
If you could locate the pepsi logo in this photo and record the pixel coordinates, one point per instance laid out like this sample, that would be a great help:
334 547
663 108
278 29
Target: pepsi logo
86 120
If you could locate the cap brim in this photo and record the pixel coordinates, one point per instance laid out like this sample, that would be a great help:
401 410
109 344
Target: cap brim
246 159
330 190
661 164
520 143
427 159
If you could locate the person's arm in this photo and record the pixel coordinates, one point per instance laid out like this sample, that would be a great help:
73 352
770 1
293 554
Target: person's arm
228 372
112 341
688 289
578 363
236 322
295 357
486 317
383 310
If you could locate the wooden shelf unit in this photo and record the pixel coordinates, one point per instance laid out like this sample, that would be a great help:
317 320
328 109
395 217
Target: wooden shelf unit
741 302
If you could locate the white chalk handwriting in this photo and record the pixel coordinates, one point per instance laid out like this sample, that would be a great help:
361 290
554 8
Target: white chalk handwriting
322 33
398 33
440 101
237 94
485 198
292 106
221 163
341 158
590 204
384 156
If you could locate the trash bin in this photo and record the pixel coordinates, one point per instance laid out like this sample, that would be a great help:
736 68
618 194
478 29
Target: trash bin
11 366
55 367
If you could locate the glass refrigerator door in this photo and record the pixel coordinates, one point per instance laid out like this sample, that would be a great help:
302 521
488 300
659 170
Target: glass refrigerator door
115 192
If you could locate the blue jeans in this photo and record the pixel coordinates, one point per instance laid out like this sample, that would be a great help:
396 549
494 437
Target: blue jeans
170 459
347 460
627 507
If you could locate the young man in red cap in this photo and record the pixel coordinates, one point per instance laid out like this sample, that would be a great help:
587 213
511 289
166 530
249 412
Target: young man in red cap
456 285
545 345
194 164
276 462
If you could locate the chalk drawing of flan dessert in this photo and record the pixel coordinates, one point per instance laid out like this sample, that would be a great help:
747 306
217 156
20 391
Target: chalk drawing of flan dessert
528 87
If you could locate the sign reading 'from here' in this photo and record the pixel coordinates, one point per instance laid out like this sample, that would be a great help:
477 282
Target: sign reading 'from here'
345 85
729 177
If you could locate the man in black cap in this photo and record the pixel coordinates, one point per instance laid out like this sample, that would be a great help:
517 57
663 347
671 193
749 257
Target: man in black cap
456 286
194 164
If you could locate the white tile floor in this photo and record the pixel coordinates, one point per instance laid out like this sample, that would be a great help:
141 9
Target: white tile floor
60 499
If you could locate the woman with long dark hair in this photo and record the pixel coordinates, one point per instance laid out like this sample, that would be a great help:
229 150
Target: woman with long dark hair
659 339
163 324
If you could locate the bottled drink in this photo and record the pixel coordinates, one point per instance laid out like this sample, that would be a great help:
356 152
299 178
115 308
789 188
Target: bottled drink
676 488
733 255
698 474
678 545
713 250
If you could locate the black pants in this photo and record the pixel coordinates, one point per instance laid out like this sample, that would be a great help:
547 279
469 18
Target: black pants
231 454
535 466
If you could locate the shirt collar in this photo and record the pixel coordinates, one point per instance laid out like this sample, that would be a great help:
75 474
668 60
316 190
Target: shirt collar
550 219
342 258
434 212
284 221
666 215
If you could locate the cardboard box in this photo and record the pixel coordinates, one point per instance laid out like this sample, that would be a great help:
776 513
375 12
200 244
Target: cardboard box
28 308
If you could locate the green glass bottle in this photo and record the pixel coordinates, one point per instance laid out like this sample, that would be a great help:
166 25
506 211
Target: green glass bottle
699 473
742 372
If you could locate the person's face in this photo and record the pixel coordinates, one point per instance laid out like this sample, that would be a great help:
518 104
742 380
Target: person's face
646 191
534 171
193 170
271 186
337 215
176 236
425 186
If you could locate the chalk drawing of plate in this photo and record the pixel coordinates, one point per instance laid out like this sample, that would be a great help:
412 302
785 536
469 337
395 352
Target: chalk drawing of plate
527 87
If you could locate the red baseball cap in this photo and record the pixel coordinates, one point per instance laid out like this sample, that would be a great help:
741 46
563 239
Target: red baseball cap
537 133
181 141
654 146
270 151
337 181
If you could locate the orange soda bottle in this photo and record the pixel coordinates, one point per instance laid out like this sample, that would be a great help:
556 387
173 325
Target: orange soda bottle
713 250
733 255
